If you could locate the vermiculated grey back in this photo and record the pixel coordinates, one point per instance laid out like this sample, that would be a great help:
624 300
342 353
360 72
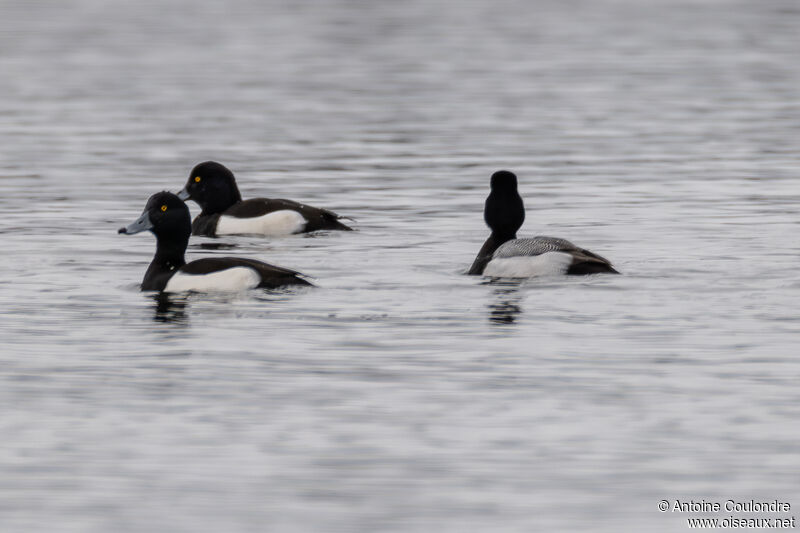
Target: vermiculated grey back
534 246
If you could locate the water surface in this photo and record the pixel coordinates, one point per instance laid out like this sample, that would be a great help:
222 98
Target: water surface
400 395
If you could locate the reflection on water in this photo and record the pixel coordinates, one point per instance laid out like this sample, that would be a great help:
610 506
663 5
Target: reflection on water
176 308
505 307
661 134
170 308
213 245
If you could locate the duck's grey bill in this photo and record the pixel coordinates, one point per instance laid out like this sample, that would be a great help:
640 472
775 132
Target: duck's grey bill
183 194
142 224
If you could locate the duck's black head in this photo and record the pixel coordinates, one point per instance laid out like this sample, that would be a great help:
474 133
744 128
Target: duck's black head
212 186
504 211
503 180
166 216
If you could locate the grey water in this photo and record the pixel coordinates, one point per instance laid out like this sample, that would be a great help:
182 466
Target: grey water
399 394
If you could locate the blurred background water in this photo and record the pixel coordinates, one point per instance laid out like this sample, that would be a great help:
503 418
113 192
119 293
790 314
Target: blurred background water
401 395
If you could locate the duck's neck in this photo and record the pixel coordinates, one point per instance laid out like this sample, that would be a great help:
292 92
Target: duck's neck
221 199
494 242
170 249
168 259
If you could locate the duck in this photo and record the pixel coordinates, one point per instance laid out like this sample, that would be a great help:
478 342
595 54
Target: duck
223 212
167 217
505 256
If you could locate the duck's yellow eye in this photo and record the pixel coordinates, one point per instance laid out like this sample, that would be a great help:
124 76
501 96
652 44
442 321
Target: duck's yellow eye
163 208
197 179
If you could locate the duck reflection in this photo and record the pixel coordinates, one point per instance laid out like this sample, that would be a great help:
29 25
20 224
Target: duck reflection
170 308
505 308
213 246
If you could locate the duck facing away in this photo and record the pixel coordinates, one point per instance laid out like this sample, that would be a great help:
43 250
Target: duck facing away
213 187
505 256
167 217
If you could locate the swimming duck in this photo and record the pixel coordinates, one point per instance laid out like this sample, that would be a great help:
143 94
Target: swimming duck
213 187
167 217
505 256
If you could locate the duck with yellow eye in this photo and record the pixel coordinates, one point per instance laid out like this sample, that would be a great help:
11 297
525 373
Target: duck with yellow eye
213 187
167 217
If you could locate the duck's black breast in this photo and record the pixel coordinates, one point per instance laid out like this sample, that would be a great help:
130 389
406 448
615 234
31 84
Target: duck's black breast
271 276
157 277
205 225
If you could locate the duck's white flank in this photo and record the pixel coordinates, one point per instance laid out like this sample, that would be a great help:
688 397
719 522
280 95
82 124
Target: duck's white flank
230 279
283 222
526 266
